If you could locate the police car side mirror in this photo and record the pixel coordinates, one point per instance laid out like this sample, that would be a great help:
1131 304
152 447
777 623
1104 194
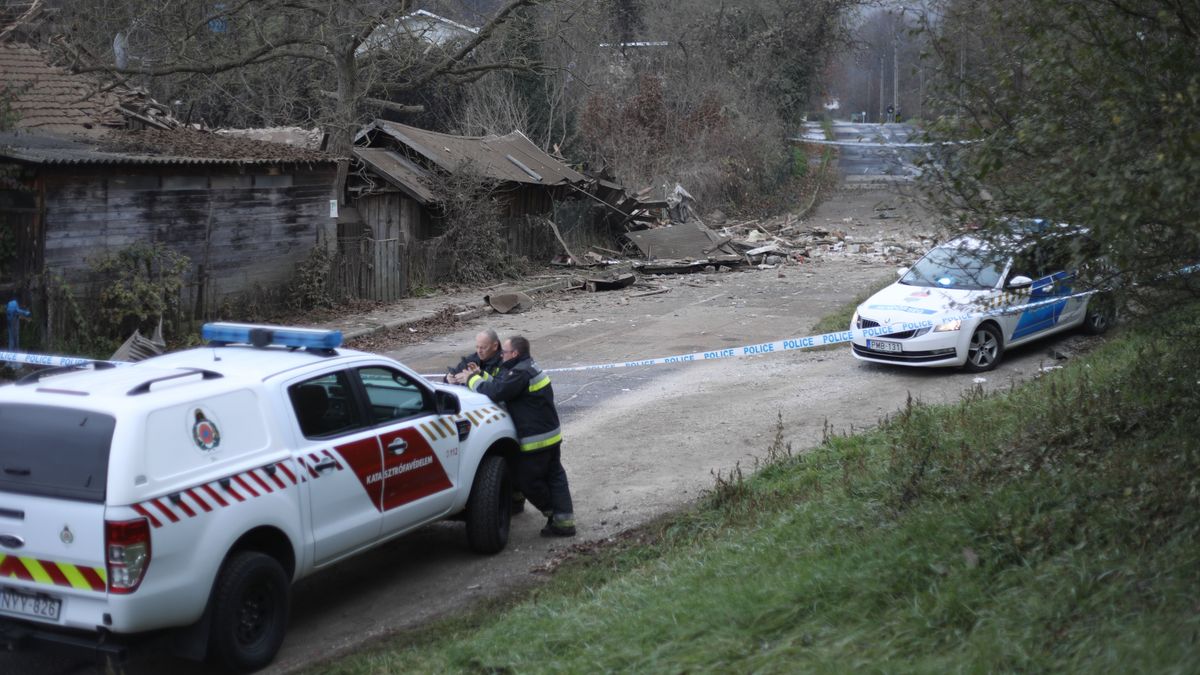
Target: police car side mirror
447 403
1019 281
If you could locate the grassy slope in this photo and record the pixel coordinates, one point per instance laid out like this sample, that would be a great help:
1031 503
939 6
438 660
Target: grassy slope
1052 528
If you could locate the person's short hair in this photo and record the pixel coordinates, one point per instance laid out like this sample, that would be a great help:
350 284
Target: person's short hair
519 344
491 335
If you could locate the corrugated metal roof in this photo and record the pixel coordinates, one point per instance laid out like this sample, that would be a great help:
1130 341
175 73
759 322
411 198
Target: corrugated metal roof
510 158
398 171
52 149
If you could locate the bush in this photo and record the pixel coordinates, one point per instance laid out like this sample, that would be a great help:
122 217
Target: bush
142 284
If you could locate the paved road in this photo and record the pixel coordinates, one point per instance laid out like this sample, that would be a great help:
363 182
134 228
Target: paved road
874 151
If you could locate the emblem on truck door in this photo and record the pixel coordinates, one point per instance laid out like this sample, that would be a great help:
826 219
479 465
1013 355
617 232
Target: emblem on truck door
204 431
66 536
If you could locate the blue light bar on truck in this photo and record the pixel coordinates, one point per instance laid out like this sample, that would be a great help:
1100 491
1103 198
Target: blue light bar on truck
263 336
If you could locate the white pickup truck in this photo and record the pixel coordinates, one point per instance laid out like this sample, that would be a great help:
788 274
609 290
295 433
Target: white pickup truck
191 489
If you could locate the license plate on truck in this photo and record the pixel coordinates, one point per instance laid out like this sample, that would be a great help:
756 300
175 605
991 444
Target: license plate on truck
37 606
884 346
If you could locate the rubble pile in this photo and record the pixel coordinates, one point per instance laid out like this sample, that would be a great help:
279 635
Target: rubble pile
773 241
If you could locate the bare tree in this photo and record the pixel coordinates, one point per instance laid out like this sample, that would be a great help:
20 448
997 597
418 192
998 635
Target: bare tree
371 55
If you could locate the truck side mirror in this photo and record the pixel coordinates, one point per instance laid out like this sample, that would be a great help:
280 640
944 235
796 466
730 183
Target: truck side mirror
447 403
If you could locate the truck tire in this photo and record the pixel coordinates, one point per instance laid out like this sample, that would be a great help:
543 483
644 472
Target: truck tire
488 508
249 611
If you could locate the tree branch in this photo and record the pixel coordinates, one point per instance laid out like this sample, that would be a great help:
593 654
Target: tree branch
261 54
380 103
484 34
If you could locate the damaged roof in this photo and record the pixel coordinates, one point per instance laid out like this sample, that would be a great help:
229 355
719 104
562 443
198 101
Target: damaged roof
398 171
49 98
509 158
68 118
179 146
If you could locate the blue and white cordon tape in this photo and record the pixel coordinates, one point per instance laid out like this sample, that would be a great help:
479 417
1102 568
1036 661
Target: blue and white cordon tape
791 344
811 341
51 361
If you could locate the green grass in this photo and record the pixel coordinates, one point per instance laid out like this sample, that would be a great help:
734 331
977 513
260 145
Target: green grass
1051 528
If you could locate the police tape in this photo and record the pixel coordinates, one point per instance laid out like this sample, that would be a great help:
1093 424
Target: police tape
814 341
777 346
52 361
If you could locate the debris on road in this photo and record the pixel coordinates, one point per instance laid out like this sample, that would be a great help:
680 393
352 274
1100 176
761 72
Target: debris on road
509 303
611 283
680 241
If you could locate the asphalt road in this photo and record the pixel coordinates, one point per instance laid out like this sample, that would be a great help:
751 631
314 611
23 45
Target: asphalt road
874 151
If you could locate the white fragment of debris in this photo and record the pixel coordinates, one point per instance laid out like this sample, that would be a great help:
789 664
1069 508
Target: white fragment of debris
1046 369
625 389
979 380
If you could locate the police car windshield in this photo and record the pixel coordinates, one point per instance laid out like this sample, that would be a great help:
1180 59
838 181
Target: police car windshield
957 267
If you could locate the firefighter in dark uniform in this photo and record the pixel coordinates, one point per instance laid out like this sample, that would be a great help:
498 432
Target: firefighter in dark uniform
486 357
526 392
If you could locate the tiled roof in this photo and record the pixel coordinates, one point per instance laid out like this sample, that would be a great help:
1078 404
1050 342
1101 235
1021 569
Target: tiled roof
68 118
49 98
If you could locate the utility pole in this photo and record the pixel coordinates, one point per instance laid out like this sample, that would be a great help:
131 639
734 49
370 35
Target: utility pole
881 81
895 71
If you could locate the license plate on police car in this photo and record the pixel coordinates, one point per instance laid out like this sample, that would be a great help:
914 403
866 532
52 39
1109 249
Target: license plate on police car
28 604
884 346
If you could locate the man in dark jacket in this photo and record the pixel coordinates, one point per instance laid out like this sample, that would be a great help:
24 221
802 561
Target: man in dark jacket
486 358
526 392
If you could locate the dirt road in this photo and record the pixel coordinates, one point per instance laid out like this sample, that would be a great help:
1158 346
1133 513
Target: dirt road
639 441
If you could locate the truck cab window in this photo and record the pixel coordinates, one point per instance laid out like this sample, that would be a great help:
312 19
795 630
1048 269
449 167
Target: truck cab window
393 396
324 406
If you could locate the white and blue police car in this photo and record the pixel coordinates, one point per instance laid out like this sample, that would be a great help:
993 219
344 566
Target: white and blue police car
966 301
188 491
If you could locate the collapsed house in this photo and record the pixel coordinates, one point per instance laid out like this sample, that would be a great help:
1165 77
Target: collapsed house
544 203
87 170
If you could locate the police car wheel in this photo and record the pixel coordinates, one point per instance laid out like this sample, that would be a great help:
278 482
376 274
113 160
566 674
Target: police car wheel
488 508
250 609
1101 314
985 349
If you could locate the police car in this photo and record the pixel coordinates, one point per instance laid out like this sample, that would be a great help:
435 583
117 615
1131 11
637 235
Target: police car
190 490
967 301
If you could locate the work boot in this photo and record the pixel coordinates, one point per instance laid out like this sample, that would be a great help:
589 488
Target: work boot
564 527
518 503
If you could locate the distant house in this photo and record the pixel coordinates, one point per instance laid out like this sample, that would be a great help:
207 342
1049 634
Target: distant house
86 171
421 25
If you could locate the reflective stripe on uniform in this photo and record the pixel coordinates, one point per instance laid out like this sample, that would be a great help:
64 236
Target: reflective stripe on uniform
539 382
473 383
539 441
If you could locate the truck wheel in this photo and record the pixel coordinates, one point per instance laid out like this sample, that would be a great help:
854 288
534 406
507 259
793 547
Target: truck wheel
250 611
488 507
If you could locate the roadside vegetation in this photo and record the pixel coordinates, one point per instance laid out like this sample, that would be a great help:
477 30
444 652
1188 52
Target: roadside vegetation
1054 527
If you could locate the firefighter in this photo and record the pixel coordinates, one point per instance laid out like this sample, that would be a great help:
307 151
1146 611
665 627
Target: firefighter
526 392
486 358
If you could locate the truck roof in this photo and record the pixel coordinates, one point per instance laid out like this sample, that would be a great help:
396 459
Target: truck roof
181 375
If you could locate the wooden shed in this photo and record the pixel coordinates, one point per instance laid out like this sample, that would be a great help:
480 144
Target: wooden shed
84 174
